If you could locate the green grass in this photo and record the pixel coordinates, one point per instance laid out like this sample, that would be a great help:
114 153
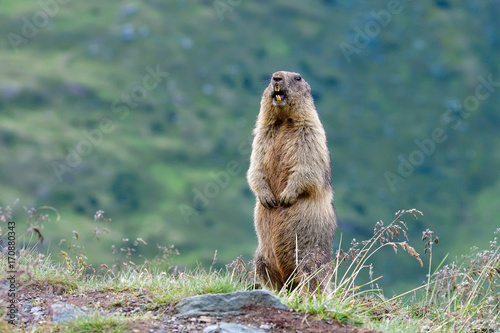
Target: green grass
459 296
180 133
95 323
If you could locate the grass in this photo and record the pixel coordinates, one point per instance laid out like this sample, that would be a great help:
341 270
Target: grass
94 323
463 296
460 296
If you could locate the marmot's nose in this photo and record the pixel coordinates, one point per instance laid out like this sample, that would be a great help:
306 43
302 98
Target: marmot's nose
277 79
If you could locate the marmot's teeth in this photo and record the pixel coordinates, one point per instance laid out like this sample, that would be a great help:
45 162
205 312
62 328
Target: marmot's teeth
278 98
277 87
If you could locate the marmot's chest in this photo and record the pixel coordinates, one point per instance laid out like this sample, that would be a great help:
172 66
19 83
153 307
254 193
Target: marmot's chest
284 144
283 141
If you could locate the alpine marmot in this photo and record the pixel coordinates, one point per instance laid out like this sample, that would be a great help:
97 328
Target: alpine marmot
290 175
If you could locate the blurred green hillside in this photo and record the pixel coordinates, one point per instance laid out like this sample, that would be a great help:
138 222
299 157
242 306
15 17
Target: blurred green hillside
144 109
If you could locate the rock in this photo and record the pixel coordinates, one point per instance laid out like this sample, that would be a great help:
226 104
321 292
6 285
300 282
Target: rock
36 312
232 328
224 303
63 312
128 32
187 43
10 91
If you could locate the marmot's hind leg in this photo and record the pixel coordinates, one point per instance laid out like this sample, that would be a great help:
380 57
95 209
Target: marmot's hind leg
268 275
315 272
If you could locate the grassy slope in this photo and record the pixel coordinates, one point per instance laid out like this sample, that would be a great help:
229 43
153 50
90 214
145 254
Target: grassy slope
199 119
460 297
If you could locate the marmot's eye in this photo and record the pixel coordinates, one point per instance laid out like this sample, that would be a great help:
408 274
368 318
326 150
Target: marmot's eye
298 78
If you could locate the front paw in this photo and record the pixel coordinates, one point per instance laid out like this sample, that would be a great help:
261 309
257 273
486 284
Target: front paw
268 201
288 198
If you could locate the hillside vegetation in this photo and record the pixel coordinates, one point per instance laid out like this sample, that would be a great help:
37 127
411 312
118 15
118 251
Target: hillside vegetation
144 110
463 296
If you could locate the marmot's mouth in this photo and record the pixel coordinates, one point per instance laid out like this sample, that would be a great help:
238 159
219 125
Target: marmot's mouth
279 96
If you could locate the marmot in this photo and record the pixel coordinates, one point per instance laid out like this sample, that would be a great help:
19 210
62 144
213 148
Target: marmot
290 175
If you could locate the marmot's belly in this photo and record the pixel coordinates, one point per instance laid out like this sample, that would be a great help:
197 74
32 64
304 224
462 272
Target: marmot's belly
279 159
310 214
300 228
278 176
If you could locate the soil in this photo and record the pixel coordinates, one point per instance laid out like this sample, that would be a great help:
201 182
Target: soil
35 302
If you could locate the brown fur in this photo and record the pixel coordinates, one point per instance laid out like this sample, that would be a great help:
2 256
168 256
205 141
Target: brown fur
291 178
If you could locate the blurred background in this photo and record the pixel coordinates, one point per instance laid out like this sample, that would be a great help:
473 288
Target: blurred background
144 109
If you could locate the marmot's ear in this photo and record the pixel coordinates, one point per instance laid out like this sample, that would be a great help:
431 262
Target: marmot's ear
308 88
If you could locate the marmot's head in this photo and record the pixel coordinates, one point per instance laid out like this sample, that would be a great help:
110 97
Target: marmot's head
287 89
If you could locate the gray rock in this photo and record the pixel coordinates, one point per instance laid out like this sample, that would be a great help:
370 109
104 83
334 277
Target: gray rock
36 312
63 312
128 32
232 328
226 303
10 91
